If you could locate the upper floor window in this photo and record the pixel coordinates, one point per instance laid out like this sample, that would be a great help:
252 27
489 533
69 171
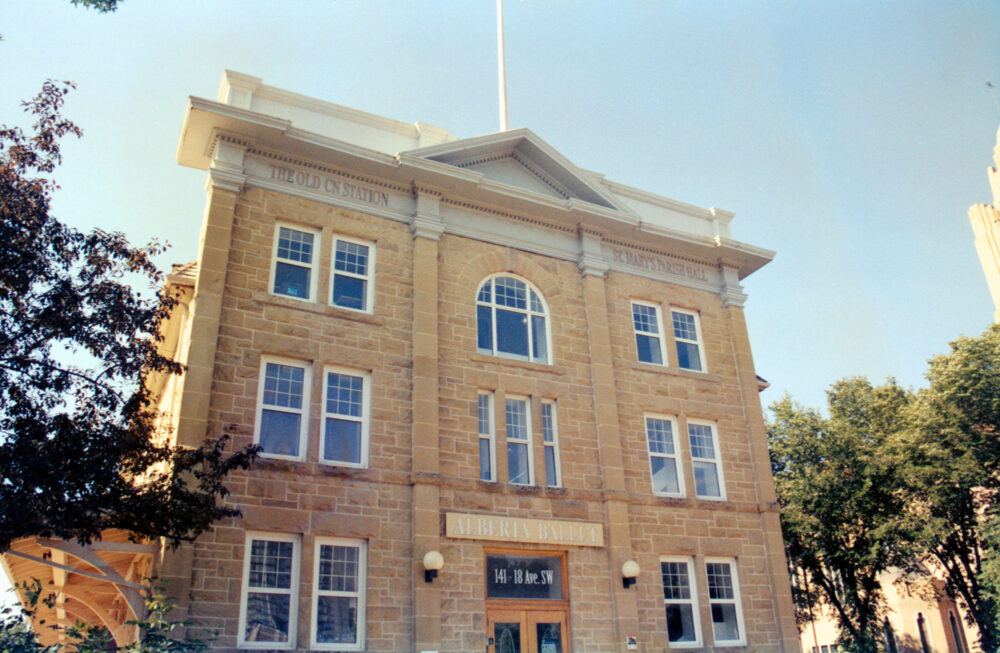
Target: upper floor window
353 271
345 413
511 320
687 335
487 450
550 441
294 262
705 460
519 466
663 456
648 336
282 408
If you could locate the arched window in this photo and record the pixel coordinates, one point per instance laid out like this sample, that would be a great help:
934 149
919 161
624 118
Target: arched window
512 320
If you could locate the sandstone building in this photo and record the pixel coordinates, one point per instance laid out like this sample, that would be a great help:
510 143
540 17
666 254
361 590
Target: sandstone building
505 404
985 219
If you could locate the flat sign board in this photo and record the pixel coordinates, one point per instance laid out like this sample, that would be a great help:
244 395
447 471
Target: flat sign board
515 529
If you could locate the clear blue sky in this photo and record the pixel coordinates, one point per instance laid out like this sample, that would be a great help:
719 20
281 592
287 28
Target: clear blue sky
849 136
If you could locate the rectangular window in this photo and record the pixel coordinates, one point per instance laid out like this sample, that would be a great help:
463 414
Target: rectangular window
268 602
648 341
353 271
345 417
519 467
282 408
680 599
339 599
550 438
487 449
663 466
294 262
687 335
704 441
724 599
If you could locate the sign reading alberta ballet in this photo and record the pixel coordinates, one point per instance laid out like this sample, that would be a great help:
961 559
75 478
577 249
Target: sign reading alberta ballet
515 529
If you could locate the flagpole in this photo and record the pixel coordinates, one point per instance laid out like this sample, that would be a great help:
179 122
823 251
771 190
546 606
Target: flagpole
502 68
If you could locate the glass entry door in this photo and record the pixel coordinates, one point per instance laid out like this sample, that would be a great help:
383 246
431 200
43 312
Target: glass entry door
527 631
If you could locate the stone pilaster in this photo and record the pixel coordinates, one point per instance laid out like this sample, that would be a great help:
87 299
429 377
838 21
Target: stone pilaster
426 228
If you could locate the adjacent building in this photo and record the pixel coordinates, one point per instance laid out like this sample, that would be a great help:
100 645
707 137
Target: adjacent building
985 219
504 403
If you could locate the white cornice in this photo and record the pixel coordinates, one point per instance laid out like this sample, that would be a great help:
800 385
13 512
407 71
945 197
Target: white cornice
667 203
206 118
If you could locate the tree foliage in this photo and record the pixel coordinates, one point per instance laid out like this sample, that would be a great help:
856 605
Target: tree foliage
948 456
840 516
103 6
79 447
156 631
896 479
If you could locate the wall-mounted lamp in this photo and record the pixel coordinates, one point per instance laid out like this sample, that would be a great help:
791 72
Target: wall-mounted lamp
630 571
433 561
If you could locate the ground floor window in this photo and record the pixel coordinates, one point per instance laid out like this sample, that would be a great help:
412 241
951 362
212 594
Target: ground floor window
724 599
270 579
339 597
680 600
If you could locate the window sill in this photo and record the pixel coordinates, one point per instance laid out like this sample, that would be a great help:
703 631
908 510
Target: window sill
317 308
527 365
673 371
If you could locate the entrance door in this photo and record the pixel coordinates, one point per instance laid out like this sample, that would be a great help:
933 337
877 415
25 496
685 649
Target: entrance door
527 631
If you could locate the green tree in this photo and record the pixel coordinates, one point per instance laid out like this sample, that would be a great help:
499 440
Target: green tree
156 631
79 447
103 6
948 457
840 514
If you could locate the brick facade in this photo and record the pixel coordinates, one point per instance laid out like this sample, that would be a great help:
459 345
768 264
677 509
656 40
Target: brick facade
419 345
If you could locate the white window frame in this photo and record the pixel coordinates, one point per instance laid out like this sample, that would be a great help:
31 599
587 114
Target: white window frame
737 601
293 591
303 412
717 461
312 267
659 336
365 419
360 594
676 456
369 278
490 436
699 343
528 444
553 444
492 305
693 601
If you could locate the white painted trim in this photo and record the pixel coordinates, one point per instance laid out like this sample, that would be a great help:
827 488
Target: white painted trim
700 342
490 437
554 445
365 420
361 594
661 336
369 279
529 443
737 601
717 461
676 457
693 591
312 267
303 412
293 591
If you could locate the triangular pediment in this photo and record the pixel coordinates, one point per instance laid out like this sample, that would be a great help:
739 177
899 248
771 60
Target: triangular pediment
522 160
